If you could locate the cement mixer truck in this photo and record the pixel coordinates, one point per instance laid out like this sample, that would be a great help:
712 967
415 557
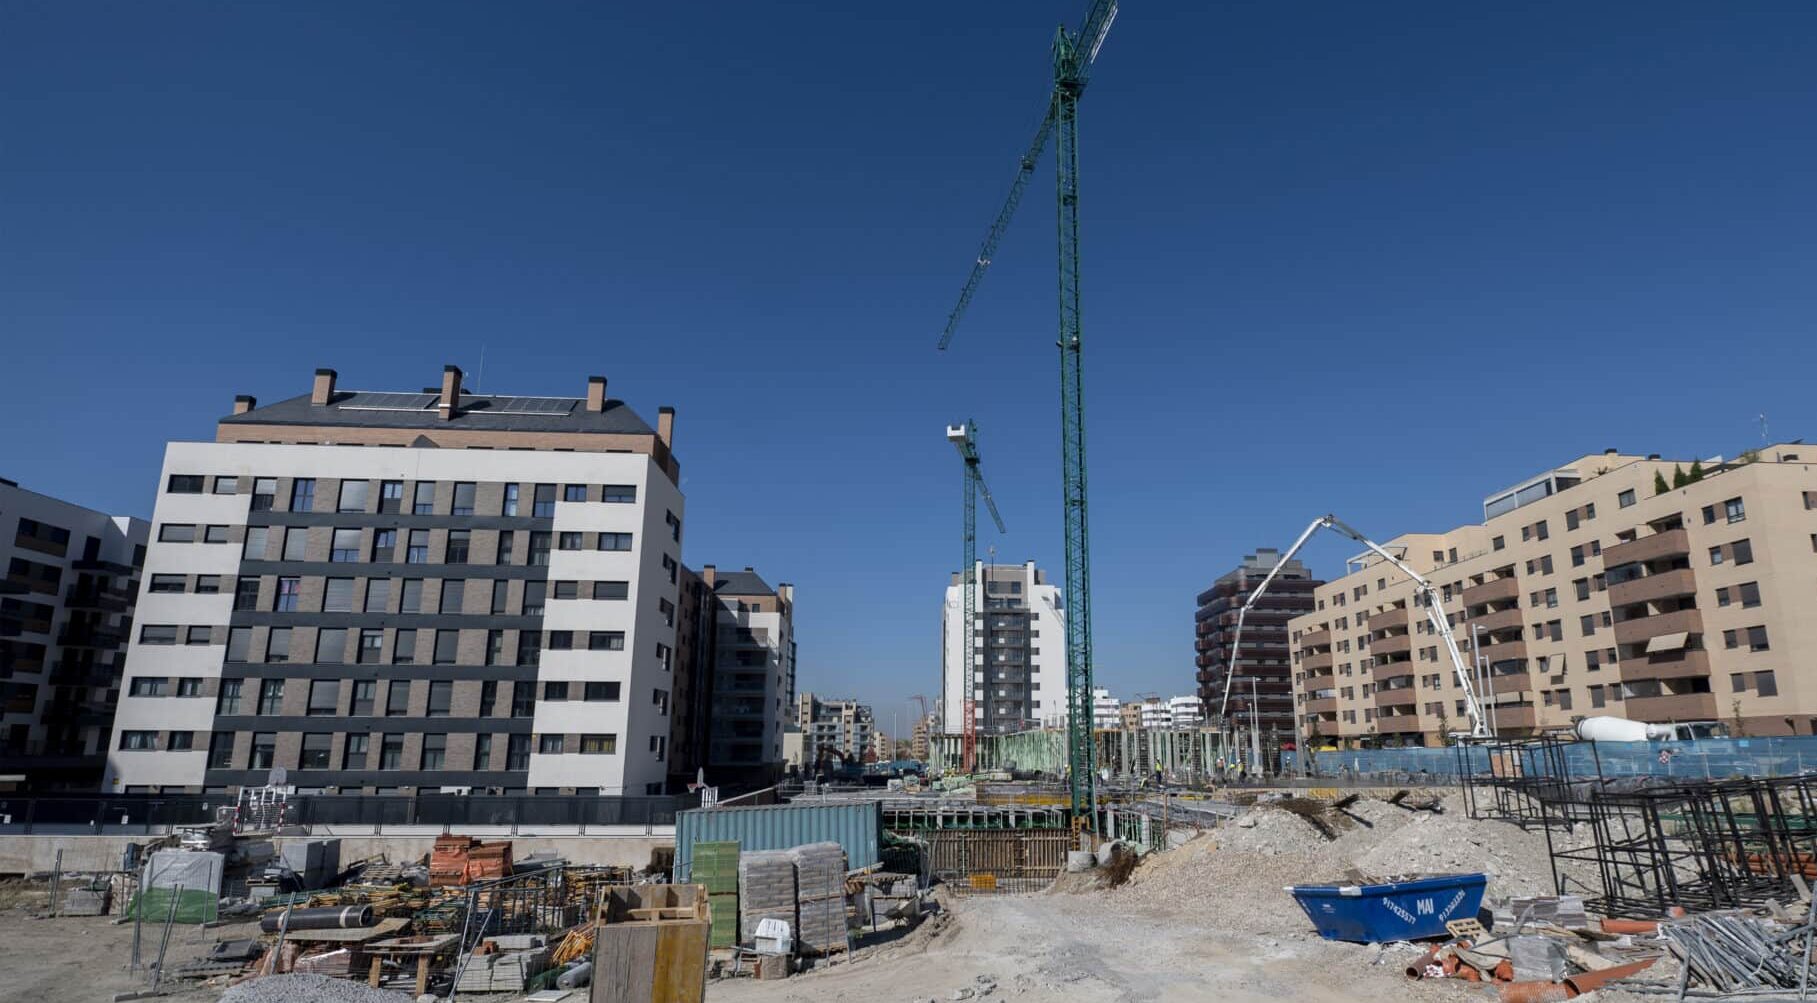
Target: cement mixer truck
1620 729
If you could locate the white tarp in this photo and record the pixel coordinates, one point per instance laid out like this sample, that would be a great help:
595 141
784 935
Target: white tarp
195 871
1668 642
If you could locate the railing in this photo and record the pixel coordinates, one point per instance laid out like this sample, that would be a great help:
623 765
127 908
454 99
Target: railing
1704 758
127 814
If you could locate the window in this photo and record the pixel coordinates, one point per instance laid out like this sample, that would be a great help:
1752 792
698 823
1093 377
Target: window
611 590
667 611
1742 551
364 690
675 527
1582 585
353 753
391 752
447 643
441 698
184 484
411 599
227 485
227 702
1498 544
372 647
324 697
345 546
302 494
488 697
459 546
523 699
615 541
606 640
507 540
214 534
1571 519
602 692
463 498
435 752
1551 597
138 740
598 745
271 696
147 686
423 498
533 598
574 492
495 647
669 565
517 752
181 741
529 647
539 548
1715 555
417 550
1587 624
208 585
1757 639
1749 593
569 541
277 645
1734 511
199 635
158 634
296 543
403 652
177 532
378 594
482 752
189 686
391 496
454 594
510 499
543 504
1766 684
623 493
353 496
264 493
257 540
168 583
501 592
1625 499
316 748
397 698
555 692
561 640
549 745
663 655
220 750
567 590
337 595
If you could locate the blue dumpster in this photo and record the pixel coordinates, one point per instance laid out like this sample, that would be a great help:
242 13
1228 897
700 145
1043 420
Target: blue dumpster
1397 910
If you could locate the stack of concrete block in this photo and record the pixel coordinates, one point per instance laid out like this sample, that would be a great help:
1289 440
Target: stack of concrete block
820 897
766 890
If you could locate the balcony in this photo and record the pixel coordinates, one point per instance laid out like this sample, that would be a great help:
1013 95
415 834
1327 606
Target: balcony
1671 543
76 636
1398 724
1316 639
1497 590
1672 707
1514 718
1319 680
1406 696
1653 587
111 600
1314 663
1499 620
1398 644
1640 629
1328 705
1511 682
1679 664
1396 617
1501 651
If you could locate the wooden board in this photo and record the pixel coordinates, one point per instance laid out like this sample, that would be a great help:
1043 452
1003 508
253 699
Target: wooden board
659 962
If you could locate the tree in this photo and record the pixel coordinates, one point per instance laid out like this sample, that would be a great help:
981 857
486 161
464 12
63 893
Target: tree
1679 479
1739 728
1659 483
1696 471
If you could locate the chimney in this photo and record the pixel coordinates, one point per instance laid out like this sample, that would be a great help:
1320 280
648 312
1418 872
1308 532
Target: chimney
785 592
709 574
324 387
596 394
1611 452
665 425
451 392
244 403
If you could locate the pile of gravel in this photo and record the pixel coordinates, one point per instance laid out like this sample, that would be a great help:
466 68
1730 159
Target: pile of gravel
309 989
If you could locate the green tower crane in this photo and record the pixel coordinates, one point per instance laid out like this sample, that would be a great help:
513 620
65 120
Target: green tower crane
1073 54
965 439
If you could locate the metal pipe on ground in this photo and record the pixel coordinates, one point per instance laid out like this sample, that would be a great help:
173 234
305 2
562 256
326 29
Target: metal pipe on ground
328 918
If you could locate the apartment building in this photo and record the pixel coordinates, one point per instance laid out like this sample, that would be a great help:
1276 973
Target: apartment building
385 592
66 610
836 729
1265 656
1185 711
1017 663
1586 590
751 668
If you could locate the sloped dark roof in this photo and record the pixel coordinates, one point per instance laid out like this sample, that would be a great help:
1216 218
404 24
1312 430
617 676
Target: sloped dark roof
366 409
742 583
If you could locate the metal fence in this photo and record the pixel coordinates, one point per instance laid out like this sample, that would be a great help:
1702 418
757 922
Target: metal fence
1703 759
146 814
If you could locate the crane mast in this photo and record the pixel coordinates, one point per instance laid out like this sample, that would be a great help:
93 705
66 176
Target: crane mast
1073 54
965 439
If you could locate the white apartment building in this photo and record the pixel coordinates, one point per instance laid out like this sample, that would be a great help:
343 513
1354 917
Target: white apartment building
392 591
1186 712
66 608
1017 662
1156 713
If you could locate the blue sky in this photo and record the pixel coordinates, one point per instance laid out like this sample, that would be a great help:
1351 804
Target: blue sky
1371 259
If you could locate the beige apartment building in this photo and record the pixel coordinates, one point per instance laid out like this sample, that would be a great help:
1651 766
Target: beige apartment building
1584 592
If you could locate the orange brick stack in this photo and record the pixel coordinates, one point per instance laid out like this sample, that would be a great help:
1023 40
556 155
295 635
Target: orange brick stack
460 860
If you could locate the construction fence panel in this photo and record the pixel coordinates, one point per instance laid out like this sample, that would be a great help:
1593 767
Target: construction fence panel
974 861
1703 759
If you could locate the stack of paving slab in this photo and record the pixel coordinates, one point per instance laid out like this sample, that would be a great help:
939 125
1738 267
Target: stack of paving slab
766 890
820 897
